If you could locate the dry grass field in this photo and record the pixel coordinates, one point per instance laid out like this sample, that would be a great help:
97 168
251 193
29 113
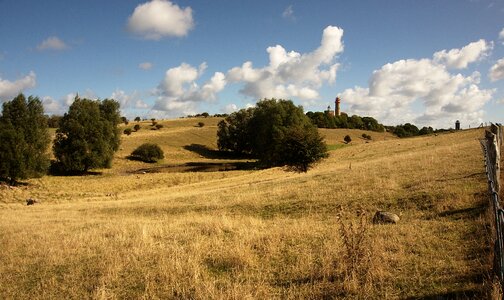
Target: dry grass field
255 234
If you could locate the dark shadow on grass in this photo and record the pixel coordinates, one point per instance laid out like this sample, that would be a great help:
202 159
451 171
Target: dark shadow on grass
57 170
214 154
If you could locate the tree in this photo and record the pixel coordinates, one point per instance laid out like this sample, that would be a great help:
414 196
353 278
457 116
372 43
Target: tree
347 139
276 132
127 131
136 127
88 135
137 119
147 153
24 139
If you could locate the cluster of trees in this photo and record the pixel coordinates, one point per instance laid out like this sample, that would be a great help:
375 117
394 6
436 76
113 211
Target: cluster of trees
87 137
325 120
276 132
409 130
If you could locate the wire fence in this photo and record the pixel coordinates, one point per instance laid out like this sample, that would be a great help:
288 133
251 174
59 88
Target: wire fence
491 147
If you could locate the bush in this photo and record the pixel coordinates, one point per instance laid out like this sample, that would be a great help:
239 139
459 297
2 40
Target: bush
366 136
149 153
201 124
347 139
137 119
136 127
127 131
159 126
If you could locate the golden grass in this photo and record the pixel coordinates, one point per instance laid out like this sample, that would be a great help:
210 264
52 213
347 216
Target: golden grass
255 234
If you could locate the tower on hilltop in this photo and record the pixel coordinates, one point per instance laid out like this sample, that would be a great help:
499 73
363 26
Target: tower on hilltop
337 110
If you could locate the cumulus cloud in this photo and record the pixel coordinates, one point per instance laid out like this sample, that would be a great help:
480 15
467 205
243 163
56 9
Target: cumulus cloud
230 108
160 18
497 70
127 101
461 58
145 66
396 88
501 36
52 43
292 74
179 92
9 89
52 106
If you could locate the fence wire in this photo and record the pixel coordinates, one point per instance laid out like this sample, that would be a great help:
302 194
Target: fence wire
492 172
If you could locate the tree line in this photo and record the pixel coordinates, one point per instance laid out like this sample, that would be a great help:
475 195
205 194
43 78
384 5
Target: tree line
87 137
326 120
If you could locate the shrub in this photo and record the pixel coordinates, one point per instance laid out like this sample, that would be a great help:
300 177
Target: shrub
137 119
147 152
154 123
366 136
127 131
347 139
159 126
136 127
201 124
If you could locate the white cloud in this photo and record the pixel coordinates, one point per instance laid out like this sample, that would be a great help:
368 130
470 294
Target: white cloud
52 107
10 89
145 65
288 13
497 70
127 101
461 58
292 74
230 108
52 43
397 90
160 18
179 93
501 36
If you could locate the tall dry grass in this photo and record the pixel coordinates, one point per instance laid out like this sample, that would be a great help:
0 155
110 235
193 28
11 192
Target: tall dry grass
261 234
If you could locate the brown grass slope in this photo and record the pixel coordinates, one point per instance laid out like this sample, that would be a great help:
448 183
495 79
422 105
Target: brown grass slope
258 234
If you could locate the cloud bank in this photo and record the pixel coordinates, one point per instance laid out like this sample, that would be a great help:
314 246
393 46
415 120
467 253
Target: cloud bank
10 89
292 74
160 18
396 88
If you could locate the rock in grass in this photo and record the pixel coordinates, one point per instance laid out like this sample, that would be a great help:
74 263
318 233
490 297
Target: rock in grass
384 217
31 201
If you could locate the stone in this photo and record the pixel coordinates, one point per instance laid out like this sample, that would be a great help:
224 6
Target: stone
384 217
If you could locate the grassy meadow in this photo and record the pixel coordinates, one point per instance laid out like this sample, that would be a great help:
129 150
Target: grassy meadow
151 231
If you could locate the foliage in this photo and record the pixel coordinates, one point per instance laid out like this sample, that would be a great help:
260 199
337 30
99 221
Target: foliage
347 139
276 132
127 131
406 130
147 153
24 139
366 136
124 120
137 127
137 119
88 135
326 120
159 126
53 121
201 124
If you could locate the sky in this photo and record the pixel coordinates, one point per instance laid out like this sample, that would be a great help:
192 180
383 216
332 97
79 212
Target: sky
427 62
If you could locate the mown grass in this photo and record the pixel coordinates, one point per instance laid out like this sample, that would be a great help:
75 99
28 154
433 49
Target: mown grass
256 234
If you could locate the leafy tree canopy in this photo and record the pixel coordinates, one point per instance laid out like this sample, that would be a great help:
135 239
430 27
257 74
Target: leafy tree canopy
24 139
276 132
88 135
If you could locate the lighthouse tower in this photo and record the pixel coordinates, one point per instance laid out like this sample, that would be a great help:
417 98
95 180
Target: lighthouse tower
337 110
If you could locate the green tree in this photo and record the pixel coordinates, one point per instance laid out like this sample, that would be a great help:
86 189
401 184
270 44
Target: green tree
24 139
276 132
137 119
88 135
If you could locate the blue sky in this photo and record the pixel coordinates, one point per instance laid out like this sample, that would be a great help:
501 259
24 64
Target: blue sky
426 62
